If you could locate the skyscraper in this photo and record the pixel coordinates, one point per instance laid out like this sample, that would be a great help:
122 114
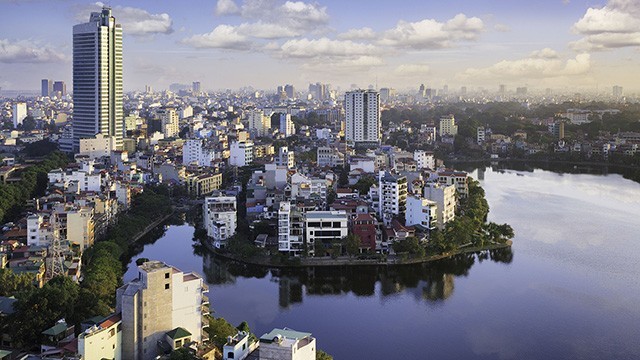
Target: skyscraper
97 78
47 86
362 111
61 87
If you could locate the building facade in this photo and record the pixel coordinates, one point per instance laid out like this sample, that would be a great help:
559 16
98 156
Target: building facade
220 218
392 196
362 117
448 126
97 78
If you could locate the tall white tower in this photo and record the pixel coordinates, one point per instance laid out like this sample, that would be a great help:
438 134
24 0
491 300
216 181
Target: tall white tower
362 114
97 78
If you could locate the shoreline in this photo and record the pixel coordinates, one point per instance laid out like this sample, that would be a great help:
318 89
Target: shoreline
549 161
392 260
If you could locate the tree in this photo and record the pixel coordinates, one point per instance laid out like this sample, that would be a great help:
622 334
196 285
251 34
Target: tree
12 283
410 245
219 329
182 354
364 184
352 244
321 355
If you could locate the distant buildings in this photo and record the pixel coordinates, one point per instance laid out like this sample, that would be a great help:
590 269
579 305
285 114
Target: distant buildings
241 153
362 118
445 197
46 88
97 78
287 128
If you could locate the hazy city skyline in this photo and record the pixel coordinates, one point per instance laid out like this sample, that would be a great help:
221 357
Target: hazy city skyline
263 43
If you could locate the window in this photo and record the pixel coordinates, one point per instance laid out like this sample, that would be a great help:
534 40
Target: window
166 275
166 286
230 355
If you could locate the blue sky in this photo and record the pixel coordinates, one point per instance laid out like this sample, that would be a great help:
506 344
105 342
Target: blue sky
563 44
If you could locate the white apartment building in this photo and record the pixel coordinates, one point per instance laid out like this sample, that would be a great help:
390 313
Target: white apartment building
186 112
448 126
287 128
287 344
241 153
321 228
259 123
103 340
170 122
80 226
421 211
303 186
195 152
286 158
459 179
159 301
290 230
481 135
445 197
220 218
362 118
392 196
39 230
424 159
19 113
82 179
98 146
327 156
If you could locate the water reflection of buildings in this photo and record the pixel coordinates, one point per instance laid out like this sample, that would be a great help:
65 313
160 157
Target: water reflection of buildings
430 282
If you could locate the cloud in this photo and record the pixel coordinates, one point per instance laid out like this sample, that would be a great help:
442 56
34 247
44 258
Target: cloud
222 37
297 15
326 48
545 53
615 25
227 7
364 33
27 51
135 21
533 67
431 34
263 30
412 69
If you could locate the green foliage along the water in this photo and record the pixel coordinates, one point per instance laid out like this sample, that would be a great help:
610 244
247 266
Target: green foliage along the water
33 183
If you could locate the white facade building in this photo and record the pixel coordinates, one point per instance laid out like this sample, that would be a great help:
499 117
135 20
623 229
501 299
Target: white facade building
103 340
424 159
362 118
445 197
287 128
220 218
321 228
241 153
195 152
481 135
287 344
19 113
98 146
392 197
448 126
259 123
327 156
170 122
421 211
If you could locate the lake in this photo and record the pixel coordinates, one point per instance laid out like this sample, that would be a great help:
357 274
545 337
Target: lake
568 289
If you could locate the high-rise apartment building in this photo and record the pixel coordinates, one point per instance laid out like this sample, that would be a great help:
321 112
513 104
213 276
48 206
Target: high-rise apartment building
220 218
362 112
19 113
287 128
159 303
97 78
196 87
170 122
47 87
290 91
259 123
392 196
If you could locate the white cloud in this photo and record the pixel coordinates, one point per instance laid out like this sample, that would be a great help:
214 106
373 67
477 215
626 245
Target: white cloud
227 7
533 67
412 69
364 33
615 25
135 21
263 30
222 37
432 34
325 48
546 53
27 51
297 15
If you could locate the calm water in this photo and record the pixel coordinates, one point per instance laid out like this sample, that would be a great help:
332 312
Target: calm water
570 288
